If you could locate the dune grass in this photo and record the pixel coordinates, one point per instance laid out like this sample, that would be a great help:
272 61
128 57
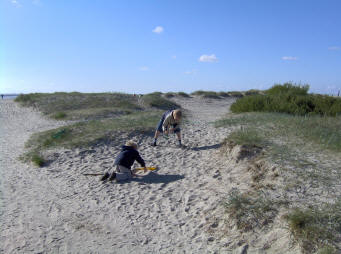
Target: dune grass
88 133
307 151
76 106
316 228
156 100
249 212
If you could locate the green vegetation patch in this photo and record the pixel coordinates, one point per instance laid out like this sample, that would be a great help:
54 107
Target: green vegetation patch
316 228
291 99
185 95
69 105
84 134
156 100
250 212
207 94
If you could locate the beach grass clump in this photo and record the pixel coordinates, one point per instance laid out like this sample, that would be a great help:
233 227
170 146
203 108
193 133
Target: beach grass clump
88 133
316 228
291 99
169 95
249 211
156 100
247 137
59 115
183 94
37 160
223 94
323 132
207 94
236 94
71 104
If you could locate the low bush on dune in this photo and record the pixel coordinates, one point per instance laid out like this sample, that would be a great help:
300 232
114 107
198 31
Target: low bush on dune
156 100
291 99
79 105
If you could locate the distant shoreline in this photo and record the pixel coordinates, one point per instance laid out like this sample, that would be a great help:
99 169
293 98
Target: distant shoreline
9 96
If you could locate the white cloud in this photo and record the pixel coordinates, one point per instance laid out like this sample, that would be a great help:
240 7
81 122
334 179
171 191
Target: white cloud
334 48
174 57
16 3
289 58
208 58
144 68
158 30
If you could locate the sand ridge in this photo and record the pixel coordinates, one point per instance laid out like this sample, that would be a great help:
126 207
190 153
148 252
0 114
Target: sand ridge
56 209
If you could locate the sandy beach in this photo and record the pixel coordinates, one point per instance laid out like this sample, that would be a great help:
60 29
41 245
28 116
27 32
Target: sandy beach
177 209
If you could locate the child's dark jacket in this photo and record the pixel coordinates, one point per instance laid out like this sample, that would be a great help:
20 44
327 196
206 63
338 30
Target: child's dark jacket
127 157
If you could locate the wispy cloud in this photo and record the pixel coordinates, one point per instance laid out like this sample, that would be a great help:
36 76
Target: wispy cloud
174 57
334 48
36 2
192 72
208 58
144 68
158 29
289 58
16 3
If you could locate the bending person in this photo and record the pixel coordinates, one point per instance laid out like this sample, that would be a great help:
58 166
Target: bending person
170 122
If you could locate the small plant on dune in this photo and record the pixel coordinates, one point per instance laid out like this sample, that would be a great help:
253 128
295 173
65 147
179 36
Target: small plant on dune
38 160
249 212
59 115
316 228
246 137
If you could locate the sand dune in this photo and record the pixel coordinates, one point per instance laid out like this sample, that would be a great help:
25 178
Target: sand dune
56 209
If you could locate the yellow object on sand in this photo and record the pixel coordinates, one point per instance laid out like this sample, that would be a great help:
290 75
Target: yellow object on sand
149 168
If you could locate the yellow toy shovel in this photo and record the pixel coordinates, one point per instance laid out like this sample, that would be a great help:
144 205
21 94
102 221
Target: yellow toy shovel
149 168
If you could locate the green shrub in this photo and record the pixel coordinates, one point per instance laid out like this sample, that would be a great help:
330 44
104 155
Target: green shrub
289 99
157 101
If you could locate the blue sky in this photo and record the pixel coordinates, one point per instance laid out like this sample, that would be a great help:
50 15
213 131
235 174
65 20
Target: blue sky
176 45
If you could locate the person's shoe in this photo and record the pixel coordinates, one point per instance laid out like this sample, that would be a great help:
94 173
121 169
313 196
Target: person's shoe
154 144
112 177
105 177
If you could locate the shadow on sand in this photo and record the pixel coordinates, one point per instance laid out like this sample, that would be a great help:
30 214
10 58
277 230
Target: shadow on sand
206 147
154 178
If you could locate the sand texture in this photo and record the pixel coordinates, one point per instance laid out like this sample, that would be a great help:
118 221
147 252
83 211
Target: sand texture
177 209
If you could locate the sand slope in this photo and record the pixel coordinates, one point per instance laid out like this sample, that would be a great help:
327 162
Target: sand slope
56 209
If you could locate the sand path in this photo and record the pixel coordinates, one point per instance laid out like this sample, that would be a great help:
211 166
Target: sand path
56 209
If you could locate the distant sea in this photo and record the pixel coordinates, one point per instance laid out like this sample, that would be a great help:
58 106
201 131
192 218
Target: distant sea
9 96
